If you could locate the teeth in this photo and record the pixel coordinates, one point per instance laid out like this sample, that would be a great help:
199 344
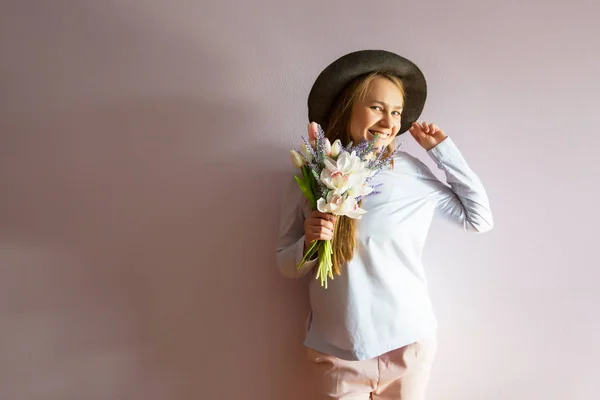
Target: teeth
380 134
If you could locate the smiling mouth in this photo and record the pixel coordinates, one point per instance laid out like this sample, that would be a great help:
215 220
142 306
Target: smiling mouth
381 135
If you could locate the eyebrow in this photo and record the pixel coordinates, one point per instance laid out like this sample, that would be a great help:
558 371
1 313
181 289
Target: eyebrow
398 107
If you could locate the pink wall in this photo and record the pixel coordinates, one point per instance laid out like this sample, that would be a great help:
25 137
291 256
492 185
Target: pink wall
143 147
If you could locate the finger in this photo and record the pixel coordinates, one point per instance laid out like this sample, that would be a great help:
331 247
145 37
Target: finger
425 127
328 225
326 216
319 233
319 214
325 225
430 129
326 234
317 223
323 237
434 129
311 236
416 129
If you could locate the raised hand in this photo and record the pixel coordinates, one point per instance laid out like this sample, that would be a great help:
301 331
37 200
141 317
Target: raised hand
427 135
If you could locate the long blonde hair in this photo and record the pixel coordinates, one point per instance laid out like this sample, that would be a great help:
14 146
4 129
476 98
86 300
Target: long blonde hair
338 127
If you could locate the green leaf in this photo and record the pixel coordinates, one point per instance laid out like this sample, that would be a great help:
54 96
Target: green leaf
309 183
313 183
306 191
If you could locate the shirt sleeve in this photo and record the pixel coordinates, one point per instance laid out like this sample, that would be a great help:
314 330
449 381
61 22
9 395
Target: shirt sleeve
465 201
290 241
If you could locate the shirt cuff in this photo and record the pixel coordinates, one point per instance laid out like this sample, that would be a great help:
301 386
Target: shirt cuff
308 265
443 150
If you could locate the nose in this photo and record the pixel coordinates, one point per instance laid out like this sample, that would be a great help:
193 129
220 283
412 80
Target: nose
387 120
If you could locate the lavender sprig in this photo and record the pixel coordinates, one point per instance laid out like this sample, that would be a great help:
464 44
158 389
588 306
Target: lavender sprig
360 149
373 193
320 186
371 144
377 159
311 163
310 148
318 160
380 163
320 145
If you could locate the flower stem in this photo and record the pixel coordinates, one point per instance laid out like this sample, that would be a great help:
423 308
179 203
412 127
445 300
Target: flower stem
325 263
309 253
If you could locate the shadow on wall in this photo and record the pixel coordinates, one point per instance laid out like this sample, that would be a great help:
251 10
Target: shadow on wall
150 214
136 248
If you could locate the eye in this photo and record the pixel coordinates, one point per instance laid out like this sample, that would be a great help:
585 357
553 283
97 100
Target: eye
378 108
397 113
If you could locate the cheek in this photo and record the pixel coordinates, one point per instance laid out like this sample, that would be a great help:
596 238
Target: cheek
357 128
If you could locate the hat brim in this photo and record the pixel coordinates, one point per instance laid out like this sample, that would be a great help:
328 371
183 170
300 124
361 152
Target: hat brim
333 79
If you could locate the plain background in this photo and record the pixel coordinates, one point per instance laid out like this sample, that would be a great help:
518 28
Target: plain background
143 149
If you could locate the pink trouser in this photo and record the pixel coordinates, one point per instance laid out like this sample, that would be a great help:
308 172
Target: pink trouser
400 374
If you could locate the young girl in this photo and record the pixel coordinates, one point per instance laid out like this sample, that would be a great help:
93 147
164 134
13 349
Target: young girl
372 333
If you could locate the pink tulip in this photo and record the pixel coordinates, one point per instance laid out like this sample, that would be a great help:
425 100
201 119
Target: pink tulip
327 148
313 128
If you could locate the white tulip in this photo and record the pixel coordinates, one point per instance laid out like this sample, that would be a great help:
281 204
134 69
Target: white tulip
296 159
336 148
306 152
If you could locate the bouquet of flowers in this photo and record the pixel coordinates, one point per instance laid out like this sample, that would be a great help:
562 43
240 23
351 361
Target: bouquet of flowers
334 180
